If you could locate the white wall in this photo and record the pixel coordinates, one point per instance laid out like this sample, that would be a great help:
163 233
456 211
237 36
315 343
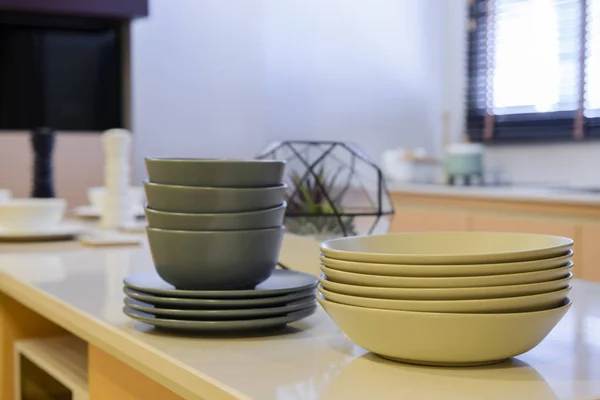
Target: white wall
559 164
342 70
198 80
218 78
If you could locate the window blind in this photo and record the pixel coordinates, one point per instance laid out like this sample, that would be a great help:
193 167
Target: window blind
533 70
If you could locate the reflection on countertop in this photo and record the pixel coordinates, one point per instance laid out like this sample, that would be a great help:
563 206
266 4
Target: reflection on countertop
311 359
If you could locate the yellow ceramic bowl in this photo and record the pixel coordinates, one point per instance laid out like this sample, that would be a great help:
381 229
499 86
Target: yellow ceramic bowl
445 282
447 269
446 247
533 302
443 338
468 293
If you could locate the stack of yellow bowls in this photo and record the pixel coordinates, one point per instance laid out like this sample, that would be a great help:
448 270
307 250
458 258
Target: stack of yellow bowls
455 298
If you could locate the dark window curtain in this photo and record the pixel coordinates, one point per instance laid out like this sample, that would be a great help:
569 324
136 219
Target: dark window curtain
533 70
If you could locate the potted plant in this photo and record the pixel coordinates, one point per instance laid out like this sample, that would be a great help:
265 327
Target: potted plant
314 207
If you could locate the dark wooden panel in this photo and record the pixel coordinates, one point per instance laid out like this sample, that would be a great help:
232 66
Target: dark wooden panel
121 9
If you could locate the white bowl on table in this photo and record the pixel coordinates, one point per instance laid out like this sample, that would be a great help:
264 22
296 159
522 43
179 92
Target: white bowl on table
532 302
352 278
31 215
443 339
446 248
447 270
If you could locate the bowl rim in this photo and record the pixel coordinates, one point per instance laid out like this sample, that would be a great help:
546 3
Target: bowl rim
567 256
283 205
206 161
568 265
567 303
326 247
150 229
283 186
321 288
566 278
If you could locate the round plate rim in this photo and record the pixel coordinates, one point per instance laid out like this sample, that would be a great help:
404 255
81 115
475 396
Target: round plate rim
286 308
228 325
225 294
61 231
218 303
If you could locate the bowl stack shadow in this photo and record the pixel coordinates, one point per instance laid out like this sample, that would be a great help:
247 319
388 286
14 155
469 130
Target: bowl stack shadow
215 229
450 299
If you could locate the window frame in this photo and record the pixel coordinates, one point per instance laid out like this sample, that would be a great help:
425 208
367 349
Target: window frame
511 128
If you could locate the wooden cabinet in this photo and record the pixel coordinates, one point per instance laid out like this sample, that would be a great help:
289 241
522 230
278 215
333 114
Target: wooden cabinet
589 252
412 219
527 224
430 212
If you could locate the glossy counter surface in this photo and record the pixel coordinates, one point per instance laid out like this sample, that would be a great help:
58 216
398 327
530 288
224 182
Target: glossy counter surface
80 289
516 193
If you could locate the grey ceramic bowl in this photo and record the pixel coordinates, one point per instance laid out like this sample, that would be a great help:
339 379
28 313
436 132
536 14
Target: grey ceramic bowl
215 173
188 199
269 218
215 260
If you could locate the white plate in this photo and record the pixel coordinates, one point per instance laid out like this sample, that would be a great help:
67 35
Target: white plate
92 212
59 233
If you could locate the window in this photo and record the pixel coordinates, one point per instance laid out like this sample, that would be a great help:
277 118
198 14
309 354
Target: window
534 70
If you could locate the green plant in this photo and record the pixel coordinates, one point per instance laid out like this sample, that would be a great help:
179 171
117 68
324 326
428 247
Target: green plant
312 206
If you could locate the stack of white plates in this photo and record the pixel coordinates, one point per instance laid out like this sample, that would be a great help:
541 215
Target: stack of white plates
463 298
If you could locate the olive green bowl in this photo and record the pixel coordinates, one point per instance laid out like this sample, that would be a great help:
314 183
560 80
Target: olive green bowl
215 260
189 199
261 219
215 172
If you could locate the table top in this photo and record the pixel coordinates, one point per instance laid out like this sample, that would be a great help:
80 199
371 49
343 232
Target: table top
80 288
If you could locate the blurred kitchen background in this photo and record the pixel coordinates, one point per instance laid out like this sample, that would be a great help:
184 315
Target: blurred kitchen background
207 78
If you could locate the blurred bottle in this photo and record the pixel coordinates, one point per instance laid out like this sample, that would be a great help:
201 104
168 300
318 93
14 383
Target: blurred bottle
42 143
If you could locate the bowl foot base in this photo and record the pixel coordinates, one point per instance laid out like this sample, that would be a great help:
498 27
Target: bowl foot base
442 364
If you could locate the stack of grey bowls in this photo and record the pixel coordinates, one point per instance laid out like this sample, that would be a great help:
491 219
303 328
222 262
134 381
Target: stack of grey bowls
215 228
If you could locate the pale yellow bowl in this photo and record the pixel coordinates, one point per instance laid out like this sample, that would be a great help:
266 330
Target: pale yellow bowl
446 247
445 282
448 269
443 338
469 293
533 302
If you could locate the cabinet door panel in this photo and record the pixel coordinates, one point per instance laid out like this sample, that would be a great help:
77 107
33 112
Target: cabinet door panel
590 251
408 219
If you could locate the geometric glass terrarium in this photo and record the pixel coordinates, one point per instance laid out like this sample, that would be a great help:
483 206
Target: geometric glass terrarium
334 189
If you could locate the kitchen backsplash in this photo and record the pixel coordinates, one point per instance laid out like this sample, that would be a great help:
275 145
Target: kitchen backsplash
566 164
